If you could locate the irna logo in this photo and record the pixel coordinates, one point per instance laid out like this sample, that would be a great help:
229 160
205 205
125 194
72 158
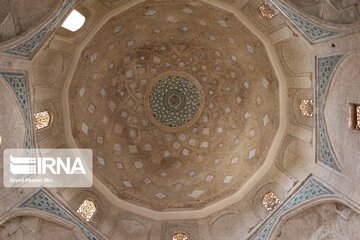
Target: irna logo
46 165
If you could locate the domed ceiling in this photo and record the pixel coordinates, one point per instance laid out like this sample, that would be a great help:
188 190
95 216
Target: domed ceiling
179 104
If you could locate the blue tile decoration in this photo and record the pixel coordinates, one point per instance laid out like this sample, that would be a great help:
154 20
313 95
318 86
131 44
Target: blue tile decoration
312 31
28 48
310 190
325 67
18 83
43 202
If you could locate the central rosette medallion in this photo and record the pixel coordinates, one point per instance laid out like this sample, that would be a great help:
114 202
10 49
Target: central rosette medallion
174 100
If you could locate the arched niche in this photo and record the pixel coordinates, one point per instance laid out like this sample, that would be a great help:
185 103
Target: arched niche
17 18
82 195
296 116
229 225
297 158
332 12
324 219
33 224
267 186
188 227
343 90
129 229
296 56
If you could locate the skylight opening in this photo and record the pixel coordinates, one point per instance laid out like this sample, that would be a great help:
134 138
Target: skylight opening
74 21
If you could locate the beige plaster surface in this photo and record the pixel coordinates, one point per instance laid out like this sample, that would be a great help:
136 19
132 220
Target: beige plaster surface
272 151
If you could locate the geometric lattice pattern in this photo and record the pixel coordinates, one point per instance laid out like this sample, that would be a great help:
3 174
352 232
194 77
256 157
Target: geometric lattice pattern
18 84
310 30
266 11
42 119
180 236
28 47
310 190
87 209
43 202
270 201
325 67
174 101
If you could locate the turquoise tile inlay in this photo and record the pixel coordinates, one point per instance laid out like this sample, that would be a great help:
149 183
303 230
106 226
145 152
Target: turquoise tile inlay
325 67
310 190
28 48
18 84
311 31
42 201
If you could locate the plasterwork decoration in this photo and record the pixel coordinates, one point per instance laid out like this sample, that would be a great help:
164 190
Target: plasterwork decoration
43 202
310 30
18 84
29 47
325 68
309 191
